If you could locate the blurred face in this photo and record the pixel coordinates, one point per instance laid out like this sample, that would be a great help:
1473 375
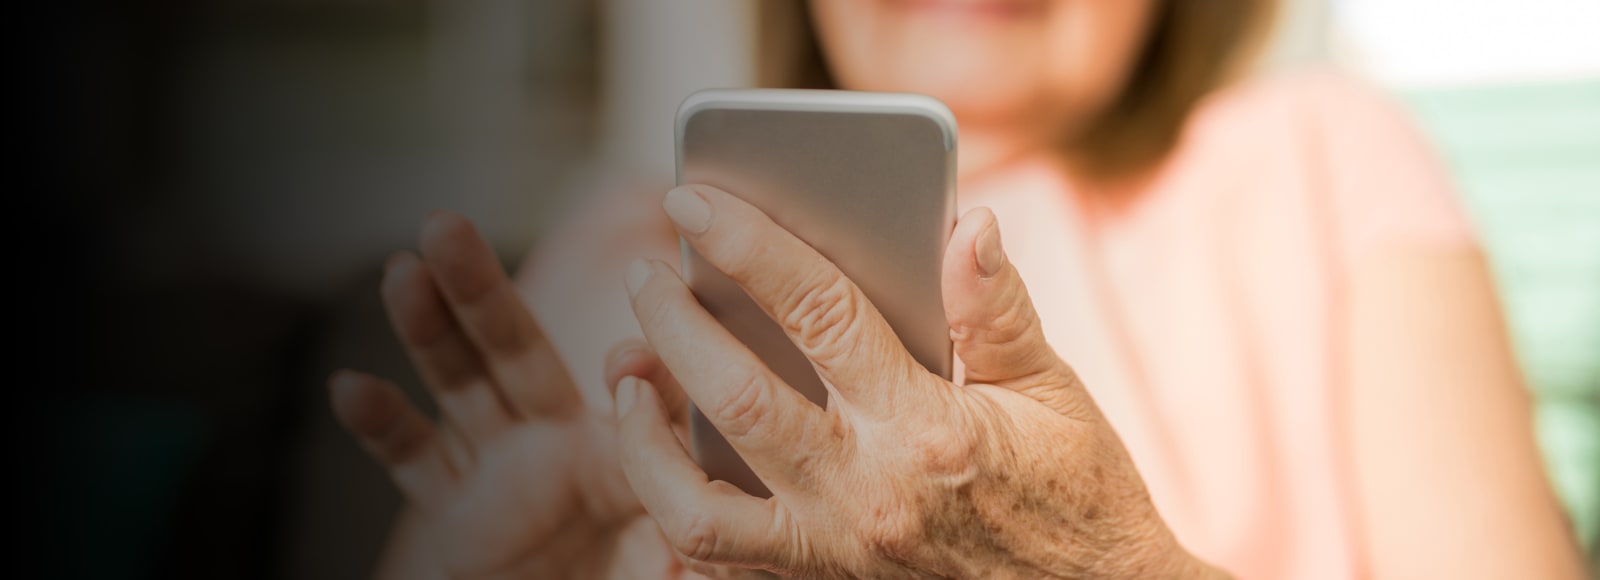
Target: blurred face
1030 68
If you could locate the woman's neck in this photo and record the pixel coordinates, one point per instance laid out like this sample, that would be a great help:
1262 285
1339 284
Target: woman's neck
986 153
989 160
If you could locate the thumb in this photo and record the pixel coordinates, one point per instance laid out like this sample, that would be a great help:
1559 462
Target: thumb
634 358
996 331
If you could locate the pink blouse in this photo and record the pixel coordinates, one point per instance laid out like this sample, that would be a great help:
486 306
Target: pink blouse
1205 309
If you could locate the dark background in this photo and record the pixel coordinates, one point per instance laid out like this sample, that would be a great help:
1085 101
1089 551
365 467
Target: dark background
205 194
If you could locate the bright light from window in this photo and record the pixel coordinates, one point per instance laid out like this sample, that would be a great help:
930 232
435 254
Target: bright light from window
1463 42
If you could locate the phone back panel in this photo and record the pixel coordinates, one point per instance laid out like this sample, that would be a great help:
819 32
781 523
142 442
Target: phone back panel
866 179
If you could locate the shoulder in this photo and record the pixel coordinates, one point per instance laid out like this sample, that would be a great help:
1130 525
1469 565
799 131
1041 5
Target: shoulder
1348 132
1351 147
1321 101
1319 85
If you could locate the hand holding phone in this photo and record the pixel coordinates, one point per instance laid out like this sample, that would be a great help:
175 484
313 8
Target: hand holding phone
866 179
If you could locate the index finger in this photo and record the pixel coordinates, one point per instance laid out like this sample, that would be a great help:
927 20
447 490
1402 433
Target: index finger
777 431
490 312
823 312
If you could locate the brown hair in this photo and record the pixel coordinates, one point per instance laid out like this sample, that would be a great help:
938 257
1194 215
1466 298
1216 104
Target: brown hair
1193 48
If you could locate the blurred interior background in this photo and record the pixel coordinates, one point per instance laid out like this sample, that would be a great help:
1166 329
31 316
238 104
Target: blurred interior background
242 167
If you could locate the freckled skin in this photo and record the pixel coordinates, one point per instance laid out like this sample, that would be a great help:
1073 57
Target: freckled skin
998 480
1013 474
1021 520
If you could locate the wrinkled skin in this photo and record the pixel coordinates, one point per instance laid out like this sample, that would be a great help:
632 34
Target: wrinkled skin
1014 473
516 477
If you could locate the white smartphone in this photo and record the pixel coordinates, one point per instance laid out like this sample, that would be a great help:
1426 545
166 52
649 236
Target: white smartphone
868 179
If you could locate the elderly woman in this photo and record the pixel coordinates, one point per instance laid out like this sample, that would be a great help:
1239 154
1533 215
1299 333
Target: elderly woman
1236 326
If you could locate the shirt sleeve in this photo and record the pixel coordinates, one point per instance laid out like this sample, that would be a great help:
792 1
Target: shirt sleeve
1385 184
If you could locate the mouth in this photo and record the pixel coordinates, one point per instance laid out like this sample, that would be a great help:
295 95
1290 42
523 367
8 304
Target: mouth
971 9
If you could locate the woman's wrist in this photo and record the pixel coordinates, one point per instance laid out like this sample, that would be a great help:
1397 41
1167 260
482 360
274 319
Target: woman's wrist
1197 569
1154 554
1180 563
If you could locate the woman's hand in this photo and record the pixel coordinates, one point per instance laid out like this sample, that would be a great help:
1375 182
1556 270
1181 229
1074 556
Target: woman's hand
1013 474
516 478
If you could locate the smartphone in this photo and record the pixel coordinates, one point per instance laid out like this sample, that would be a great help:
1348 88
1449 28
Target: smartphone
868 179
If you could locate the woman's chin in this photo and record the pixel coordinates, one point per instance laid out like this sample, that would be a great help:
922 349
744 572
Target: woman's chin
974 88
985 111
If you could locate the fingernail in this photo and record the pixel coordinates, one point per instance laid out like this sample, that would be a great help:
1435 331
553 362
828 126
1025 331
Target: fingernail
991 257
627 394
687 209
639 272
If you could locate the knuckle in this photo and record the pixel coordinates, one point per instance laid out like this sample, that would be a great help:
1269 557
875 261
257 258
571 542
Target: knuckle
745 405
652 306
451 364
1003 326
940 451
738 253
821 315
503 334
892 534
696 538
468 283
420 322
1013 324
